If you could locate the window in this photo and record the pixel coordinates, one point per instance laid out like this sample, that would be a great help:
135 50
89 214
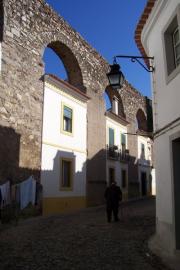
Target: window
123 142
124 178
67 119
142 150
66 173
111 137
172 46
176 45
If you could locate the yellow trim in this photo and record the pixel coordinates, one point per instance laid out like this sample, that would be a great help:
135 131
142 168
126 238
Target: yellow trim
62 120
63 204
60 91
65 148
72 168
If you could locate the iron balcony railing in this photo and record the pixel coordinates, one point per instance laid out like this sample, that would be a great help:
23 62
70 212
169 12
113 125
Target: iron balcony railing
113 152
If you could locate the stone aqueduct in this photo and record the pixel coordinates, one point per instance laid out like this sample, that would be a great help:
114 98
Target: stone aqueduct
27 27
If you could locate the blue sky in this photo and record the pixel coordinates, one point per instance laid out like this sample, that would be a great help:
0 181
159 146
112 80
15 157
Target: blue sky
109 27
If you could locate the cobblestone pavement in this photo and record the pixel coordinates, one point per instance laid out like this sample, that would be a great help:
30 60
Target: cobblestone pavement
82 240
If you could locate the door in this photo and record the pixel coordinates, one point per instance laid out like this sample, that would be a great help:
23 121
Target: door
111 175
176 180
143 184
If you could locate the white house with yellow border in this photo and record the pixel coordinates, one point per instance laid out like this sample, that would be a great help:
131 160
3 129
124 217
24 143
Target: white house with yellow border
64 147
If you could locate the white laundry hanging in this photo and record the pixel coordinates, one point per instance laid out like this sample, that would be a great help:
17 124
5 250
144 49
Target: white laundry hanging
27 192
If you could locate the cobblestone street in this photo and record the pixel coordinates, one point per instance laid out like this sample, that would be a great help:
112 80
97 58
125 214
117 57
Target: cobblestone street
82 240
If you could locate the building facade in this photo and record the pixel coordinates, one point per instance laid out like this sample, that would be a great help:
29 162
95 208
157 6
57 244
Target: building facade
64 147
129 143
26 30
158 35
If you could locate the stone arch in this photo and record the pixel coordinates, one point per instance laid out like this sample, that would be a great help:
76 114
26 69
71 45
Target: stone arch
107 101
70 63
141 120
115 95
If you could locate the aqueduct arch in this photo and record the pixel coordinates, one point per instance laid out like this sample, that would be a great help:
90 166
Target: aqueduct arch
70 63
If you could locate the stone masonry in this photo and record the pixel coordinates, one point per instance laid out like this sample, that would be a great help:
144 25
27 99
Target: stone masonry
27 27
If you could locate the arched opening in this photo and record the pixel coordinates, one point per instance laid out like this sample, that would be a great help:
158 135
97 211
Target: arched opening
54 65
141 122
108 102
60 61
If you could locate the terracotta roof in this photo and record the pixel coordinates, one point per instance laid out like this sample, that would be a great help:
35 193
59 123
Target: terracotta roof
68 85
145 15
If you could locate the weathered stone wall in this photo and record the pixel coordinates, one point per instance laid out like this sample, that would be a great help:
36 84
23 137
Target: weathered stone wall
27 27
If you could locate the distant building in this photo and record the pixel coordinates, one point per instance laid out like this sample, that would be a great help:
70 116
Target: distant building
158 35
129 143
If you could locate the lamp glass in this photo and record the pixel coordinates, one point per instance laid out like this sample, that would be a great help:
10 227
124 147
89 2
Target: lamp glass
115 76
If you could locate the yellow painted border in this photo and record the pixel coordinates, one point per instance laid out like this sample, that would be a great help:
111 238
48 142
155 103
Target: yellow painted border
57 205
65 148
62 119
60 91
71 174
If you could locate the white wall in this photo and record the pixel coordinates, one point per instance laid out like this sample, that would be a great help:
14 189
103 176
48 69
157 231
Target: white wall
57 144
118 130
117 165
166 96
51 172
147 143
52 120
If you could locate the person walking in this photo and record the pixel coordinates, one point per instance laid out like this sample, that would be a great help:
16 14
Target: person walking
113 196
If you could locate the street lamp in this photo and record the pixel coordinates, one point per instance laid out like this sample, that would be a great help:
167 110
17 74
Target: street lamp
116 77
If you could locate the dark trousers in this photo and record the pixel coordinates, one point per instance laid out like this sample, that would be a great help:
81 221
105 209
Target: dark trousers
112 209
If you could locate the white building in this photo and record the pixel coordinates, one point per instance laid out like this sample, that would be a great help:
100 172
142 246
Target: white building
157 35
64 147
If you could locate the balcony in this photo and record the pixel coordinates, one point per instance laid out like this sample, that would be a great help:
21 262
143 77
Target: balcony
124 155
114 153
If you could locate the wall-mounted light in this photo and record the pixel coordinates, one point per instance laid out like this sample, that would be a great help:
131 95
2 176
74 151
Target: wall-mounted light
116 77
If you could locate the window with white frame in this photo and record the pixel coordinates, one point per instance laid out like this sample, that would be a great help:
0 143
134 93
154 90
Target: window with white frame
67 114
172 45
111 137
176 46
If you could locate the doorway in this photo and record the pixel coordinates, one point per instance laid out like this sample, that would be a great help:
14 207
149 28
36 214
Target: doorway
176 180
111 175
143 184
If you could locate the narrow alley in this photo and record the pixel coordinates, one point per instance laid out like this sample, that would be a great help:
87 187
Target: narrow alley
82 240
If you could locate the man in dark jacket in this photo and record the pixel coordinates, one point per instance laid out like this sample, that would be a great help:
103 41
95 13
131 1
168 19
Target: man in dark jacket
113 196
